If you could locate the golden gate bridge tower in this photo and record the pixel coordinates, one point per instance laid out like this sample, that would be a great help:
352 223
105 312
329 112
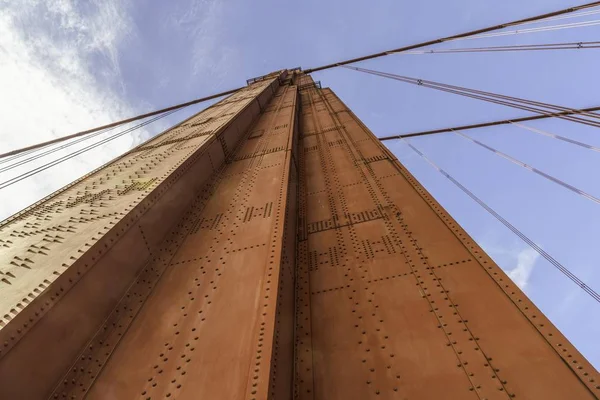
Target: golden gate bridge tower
268 247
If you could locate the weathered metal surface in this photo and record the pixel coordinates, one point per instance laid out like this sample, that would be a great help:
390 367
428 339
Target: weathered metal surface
394 299
268 247
69 259
211 328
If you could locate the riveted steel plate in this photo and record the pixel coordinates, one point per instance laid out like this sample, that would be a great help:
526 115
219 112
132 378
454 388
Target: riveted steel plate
269 247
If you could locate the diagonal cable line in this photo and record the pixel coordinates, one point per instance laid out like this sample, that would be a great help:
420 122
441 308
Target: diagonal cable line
483 124
566 16
516 99
532 169
439 86
520 47
582 24
555 136
552 110
118 123
523 21
543 17
53 150
19 155
511 227
60 160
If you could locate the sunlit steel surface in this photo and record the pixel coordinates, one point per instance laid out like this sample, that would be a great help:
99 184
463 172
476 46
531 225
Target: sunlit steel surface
268 247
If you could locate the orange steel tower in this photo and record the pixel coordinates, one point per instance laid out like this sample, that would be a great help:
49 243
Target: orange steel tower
269 247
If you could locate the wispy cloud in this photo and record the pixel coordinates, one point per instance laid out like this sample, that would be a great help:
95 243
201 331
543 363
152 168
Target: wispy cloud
515 259
526 260
202 22
59 73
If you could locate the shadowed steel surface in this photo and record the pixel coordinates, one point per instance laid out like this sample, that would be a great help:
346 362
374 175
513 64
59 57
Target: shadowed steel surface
105 270
269 247
395 300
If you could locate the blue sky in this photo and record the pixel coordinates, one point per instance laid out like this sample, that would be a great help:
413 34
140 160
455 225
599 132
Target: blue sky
66 66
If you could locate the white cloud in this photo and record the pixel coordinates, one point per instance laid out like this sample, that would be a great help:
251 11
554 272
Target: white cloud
526 260
59 73
516 260
211 57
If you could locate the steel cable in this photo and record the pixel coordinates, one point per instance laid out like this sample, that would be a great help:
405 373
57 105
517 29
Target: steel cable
511 227
529 20
509 101
118 123
483 124
433 84
530 168
50 164
567 16
45 153
581 24
555 136
570 12
516 99
521 47
19 155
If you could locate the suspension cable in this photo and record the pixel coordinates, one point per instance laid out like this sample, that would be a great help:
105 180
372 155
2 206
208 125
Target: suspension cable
437 85
507 224
555 136
60 160
567 16
482 124
459 36
538 18
19 155
582 24
50 151
509 101
521 47
117 123
530 168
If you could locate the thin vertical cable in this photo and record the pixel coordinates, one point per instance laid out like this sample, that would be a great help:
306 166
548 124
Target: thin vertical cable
530 168
555 136
511 227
